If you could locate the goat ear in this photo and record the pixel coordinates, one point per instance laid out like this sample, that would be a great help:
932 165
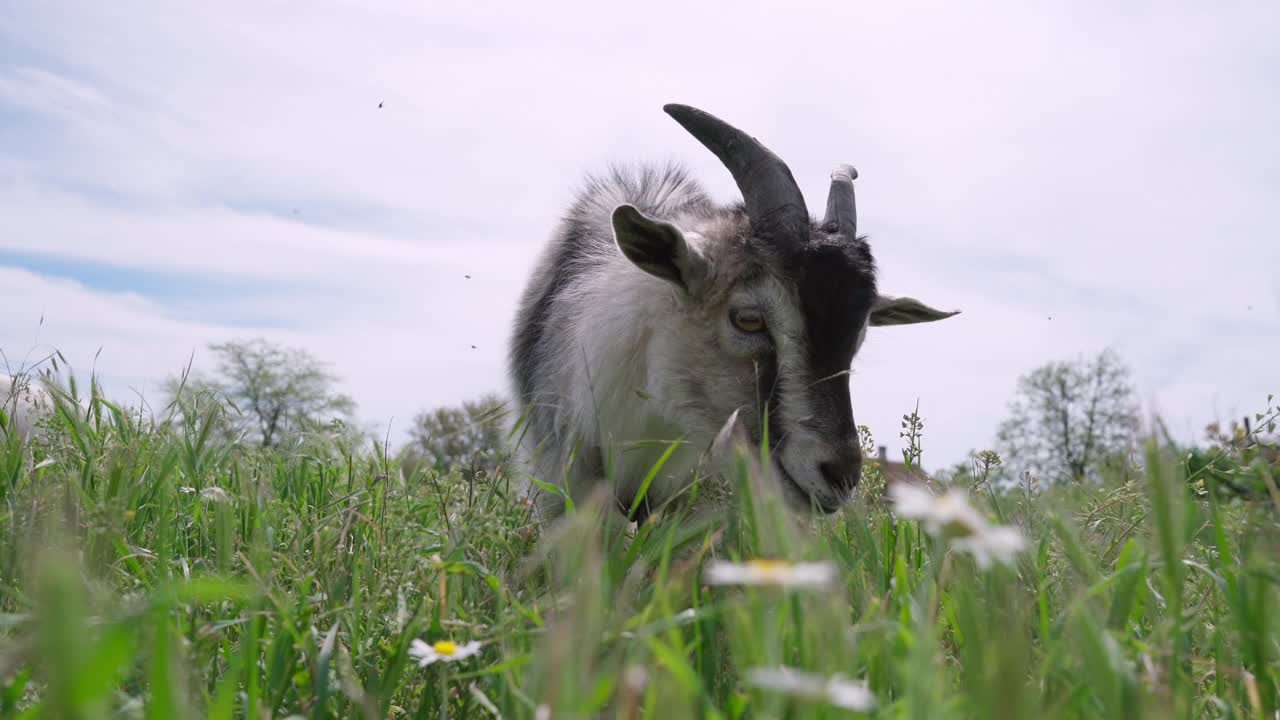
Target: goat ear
658 248
905 311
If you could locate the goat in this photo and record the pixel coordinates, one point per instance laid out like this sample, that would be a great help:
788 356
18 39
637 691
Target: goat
23 405
653 314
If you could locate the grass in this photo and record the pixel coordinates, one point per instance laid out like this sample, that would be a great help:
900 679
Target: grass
152 571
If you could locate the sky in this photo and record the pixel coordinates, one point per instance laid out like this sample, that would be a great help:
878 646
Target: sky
326 175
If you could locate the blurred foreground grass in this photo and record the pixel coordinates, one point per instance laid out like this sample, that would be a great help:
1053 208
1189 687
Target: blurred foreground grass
146 570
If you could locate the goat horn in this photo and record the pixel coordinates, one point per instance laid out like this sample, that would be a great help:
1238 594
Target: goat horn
773 199
842 211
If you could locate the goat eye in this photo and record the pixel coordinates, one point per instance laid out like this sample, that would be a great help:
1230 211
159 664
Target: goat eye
748 320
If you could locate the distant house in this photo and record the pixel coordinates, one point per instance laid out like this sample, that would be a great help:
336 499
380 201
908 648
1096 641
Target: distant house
896 471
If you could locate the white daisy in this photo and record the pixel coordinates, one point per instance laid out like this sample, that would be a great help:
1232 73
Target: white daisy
834 690
778 573
999 543
950 517
947 515
445 650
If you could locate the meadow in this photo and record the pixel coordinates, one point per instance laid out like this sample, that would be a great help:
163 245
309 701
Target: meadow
150 569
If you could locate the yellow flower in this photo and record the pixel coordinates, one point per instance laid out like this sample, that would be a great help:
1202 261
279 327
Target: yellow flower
443 650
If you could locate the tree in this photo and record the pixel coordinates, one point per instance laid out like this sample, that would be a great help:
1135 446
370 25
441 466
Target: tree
1069 418
277 391
471 435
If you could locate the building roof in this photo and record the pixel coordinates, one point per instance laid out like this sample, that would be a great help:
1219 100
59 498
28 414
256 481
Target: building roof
896 471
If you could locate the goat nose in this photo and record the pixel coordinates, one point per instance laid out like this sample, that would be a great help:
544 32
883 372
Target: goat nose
842 473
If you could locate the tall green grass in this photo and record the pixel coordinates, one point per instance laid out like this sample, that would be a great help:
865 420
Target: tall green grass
150 571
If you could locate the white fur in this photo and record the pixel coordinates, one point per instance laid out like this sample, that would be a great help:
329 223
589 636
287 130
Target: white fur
24 402
615 384
609 373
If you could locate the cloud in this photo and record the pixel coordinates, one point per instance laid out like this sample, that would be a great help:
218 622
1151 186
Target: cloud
1070 177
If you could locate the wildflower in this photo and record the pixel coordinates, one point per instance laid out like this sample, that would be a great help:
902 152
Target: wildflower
215 494
947 515
950 517
835 689
771 572
445 650
997 543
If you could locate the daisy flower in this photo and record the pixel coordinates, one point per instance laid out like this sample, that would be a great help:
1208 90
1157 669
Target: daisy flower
950 517
445 650
996 544
834 690
779 573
